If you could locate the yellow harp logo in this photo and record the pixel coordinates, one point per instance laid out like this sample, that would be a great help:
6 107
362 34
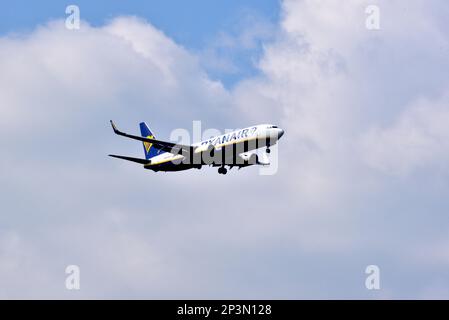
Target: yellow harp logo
148 144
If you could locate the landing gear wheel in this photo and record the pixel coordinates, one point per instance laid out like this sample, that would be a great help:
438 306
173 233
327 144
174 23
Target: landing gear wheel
268 150
222 170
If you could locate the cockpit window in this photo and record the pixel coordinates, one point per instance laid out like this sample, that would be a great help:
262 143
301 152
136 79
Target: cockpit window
272 127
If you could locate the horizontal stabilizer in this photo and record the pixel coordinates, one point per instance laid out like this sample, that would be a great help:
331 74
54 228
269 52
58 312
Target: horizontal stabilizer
141 161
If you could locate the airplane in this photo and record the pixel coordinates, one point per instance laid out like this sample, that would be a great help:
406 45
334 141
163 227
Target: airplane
234 149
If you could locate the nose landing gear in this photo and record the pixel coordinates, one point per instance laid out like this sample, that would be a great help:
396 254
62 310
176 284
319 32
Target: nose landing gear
268 150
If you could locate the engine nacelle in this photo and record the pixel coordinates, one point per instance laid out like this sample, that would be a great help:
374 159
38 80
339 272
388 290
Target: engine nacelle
210 150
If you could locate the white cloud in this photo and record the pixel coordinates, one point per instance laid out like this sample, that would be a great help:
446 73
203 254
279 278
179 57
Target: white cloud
128 58
236 51
347 98
419 139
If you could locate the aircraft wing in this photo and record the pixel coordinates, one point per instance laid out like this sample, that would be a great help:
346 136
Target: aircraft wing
163 145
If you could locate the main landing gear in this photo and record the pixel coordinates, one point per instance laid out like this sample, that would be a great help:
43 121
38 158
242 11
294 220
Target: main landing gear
222 170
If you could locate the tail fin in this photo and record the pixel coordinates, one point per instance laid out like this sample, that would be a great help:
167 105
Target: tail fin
148 148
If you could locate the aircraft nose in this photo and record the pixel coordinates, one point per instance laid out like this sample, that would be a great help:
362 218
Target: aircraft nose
280 133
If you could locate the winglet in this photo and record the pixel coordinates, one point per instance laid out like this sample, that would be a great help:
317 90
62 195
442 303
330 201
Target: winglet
114 128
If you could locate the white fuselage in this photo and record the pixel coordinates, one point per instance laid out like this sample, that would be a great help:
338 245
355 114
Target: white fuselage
265 134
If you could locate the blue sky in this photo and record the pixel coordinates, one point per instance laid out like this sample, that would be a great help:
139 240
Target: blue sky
362 176
190 23
193 24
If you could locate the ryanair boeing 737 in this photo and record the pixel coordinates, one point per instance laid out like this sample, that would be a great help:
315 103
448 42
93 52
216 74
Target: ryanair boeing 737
234 149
